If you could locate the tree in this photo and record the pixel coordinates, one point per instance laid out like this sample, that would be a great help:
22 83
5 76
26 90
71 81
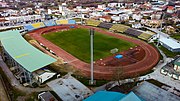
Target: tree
119 74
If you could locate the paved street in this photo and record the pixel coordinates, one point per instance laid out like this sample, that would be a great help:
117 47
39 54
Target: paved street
156 75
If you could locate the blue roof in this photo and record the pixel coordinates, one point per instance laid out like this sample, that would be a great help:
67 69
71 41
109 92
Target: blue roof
113 96
131 97
105 96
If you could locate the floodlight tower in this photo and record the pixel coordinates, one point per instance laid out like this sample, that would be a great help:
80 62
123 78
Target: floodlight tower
91 44
160 29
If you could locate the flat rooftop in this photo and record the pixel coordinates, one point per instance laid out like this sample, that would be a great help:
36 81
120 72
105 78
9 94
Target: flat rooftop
69 89
150 92
22 52
170 42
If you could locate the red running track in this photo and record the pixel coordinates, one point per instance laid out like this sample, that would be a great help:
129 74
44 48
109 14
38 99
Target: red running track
101 72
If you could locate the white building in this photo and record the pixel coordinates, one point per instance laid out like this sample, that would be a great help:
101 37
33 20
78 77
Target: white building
49 11
137 17
121 17
43 75
170 43
102 6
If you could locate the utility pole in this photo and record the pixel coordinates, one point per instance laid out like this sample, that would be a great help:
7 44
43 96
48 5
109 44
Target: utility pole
92 66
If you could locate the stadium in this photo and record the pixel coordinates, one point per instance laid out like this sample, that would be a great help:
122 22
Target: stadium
138 56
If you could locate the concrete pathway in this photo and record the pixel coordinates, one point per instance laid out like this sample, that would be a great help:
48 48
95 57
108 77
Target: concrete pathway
5 68
15 83
3 94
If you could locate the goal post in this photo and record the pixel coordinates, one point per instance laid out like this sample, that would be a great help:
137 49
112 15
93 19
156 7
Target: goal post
113 51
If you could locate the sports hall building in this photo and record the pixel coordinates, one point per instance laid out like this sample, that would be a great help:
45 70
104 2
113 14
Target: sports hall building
21 57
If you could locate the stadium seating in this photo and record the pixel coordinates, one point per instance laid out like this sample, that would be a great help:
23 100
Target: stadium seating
38 25
92 22
29 27
133 32
113 27
146 35
71 22
49 23
105 25
119 28
59 22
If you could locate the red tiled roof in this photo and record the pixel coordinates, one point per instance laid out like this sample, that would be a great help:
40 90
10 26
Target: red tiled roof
170 7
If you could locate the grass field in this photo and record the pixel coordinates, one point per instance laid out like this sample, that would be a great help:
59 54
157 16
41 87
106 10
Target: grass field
77 43
177 36
169 53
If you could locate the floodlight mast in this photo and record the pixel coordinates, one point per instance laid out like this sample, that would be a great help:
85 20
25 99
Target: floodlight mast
160 29
92 66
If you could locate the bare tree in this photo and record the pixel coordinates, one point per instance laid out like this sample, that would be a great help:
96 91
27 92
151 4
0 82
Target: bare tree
118 74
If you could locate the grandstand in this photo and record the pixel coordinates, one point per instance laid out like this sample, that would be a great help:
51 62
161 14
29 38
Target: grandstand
119 28
105 25
28 27
92 22
21 57
71 22
133 32
49 23
38 25
146 35
59 22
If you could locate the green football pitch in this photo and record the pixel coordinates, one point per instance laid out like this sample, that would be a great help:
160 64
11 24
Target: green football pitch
77 43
